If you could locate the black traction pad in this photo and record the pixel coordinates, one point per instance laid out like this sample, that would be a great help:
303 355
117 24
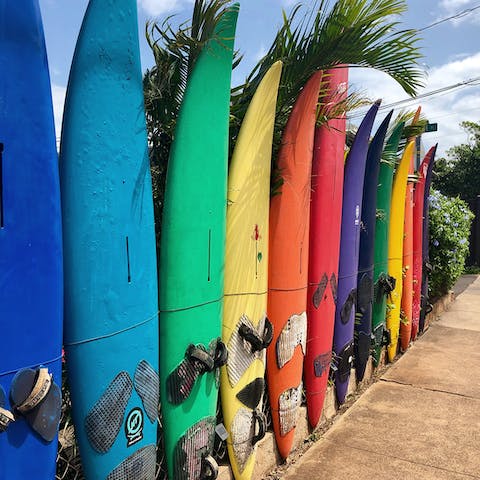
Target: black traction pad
45 417
104 421
362 352
138 466
346 310
192 448
251 394
364 293
320 290
334 286
321 363
147 385
344 361
181 381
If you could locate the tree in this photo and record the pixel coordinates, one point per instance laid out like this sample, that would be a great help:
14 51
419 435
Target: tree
459 173
353 32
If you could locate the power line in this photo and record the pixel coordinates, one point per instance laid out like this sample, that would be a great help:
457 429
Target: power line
461 14
432 93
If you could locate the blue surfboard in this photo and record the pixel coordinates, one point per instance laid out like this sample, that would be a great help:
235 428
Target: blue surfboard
365 287
111 306
30 250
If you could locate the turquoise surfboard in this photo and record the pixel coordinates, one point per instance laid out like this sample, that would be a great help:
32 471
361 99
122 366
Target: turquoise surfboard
111 306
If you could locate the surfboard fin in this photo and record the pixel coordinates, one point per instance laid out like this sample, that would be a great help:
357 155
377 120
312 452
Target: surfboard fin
6 416
38 399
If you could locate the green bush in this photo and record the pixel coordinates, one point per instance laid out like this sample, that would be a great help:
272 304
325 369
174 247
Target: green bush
450 221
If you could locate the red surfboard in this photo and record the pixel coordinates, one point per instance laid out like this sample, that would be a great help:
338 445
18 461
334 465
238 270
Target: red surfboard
325 220
418 197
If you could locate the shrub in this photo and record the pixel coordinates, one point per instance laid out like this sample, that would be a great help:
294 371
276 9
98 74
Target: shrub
450 221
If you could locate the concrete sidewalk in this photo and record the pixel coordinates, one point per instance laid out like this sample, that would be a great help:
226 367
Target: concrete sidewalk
421 420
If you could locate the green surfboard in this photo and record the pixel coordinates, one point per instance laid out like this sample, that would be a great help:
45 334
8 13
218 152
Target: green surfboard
192 260
381 278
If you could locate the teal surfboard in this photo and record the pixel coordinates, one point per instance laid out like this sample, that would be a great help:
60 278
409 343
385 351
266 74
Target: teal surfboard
31 283
192 261
111 308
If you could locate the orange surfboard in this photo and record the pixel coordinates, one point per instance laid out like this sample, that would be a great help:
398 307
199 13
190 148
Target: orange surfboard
407 292
288 266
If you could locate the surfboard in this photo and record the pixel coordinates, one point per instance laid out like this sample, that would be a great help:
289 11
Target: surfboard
418 200
192 260
111 308
425 304
363 317
246 330
407 290
325 218
395 247
382 281
288 266
349 251
31 282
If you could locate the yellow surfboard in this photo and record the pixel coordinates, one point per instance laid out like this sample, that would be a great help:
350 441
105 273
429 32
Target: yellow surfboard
246 331
395 247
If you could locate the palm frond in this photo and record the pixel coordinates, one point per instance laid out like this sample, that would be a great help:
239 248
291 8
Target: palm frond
351 32
175 52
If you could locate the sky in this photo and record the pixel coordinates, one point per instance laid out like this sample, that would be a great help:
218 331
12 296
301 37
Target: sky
451 55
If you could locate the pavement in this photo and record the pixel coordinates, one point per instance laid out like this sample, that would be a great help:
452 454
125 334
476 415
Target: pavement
422 419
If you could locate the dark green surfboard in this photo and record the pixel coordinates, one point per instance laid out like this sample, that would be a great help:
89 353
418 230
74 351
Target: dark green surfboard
381 279
192 260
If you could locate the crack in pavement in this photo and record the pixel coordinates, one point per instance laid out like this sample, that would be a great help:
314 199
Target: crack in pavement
428 389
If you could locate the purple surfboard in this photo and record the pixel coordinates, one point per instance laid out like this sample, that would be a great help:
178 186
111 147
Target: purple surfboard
349 253
425 304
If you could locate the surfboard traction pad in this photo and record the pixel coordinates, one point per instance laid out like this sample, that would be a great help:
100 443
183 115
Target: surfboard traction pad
147 384
288 404
182 379
139 466
343 362
42 413
241 354
244 434
192 448
294 333
104 421
322 286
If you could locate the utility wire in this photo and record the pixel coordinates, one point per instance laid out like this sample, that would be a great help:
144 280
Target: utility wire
461 14
433 93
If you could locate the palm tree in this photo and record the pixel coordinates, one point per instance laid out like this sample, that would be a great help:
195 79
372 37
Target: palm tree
361 33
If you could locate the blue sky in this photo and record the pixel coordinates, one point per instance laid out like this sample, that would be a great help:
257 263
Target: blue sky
451 49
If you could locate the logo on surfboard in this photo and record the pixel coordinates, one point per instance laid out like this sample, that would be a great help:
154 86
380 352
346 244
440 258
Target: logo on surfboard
134 427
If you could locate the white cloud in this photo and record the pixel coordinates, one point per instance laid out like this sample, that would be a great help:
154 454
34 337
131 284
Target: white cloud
454 7
159 7
447 109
